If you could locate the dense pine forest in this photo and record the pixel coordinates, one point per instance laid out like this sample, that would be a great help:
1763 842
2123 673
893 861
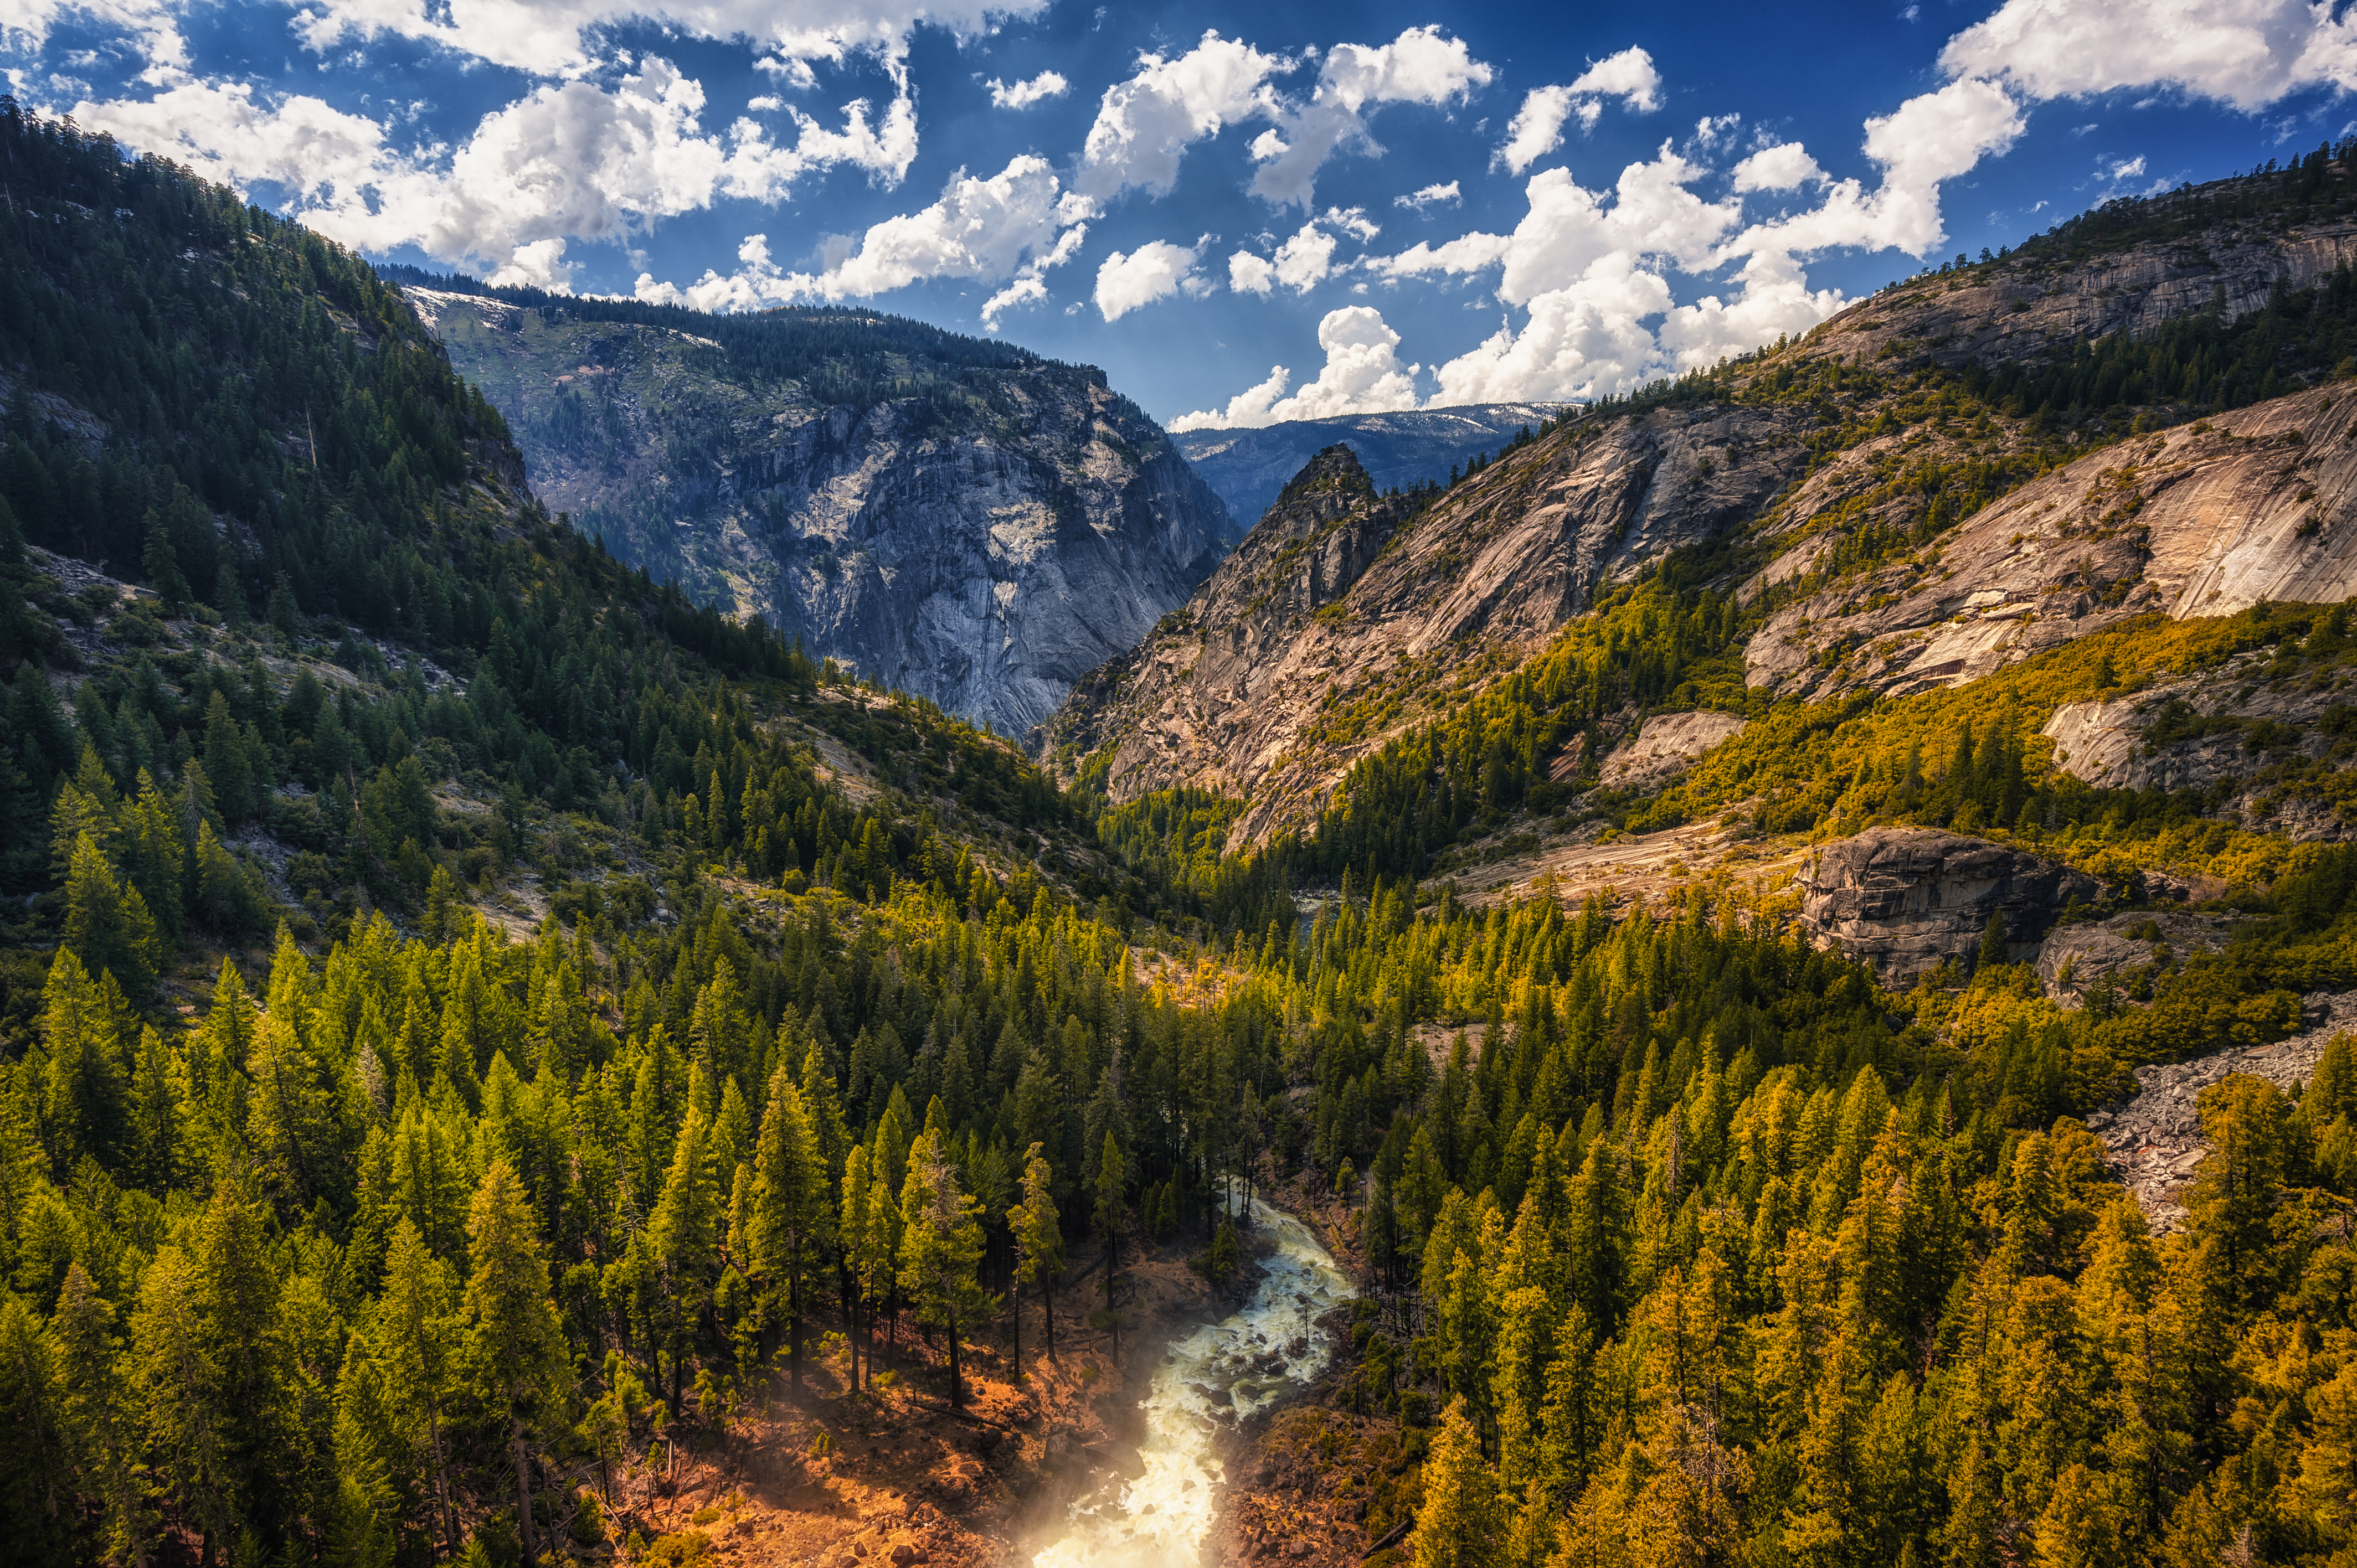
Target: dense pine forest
475 1025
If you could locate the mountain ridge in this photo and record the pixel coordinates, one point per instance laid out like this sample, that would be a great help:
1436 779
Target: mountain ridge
979 530
1400 450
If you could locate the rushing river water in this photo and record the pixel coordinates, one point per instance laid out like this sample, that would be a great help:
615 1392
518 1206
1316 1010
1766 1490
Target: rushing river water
1164 1518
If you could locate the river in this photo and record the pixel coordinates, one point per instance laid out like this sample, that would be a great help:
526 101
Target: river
1242 1364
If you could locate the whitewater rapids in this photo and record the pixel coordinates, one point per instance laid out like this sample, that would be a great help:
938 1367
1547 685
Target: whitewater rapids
1245 1363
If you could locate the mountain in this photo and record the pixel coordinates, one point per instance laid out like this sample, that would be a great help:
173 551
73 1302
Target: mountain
493 1052
1984 462
956 517
1399 451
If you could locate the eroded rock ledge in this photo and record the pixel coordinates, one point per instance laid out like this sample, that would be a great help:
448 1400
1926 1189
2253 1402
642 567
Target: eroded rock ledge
1905 900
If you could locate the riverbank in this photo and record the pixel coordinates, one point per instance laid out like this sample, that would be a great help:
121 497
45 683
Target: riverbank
889 1477
1314 1482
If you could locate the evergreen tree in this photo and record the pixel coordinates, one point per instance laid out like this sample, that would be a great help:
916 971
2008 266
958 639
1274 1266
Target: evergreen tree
417 1333
789 1218
515 1346
1459 1525
1039 1237
98 1422
940 1251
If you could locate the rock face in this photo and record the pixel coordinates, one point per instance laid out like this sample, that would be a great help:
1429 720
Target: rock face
983 545
2202 519
2075 959
2154 1141
2224 724
1248 468
1279 673
1906 900
1665 746
2207 519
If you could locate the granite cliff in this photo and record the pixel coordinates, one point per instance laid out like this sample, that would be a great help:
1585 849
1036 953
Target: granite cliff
961 520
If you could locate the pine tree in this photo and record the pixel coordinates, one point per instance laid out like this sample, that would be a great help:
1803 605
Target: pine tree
1458 1526
1112 1181
417 1333
181 1396
38 1479
107 925
680 1237
789 1223
162 564
98 1422
515 1346
84 1099
940 1251
1039 1237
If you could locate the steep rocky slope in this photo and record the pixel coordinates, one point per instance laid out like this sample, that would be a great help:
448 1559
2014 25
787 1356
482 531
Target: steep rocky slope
1345 616
1895 490
1399 451
978 532
2203 520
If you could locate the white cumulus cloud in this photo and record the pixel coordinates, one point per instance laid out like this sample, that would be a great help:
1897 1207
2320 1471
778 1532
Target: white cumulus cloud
1010 227
2245 53
1420 66
1362 375
568 161
1430 196
1155 270
1537 128
1145 123
1787 167
1023 94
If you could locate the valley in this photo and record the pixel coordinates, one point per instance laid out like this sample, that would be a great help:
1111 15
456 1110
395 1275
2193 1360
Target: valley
1761 974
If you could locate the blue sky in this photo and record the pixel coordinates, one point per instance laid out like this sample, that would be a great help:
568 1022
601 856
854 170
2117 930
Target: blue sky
1243 215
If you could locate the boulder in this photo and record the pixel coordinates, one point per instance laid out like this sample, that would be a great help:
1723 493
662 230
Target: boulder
1904 900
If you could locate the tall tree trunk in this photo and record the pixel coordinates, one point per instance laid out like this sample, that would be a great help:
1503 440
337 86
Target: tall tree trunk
794 1326
1047 1308
442 1482
523 1490
1015 1329
957 1393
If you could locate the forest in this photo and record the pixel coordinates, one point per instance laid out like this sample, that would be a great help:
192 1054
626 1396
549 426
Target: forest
358 1209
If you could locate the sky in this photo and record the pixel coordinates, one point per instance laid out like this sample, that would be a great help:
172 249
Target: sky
1243 215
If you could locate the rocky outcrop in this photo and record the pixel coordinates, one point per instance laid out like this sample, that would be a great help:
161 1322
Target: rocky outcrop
2077 958
2207 519
2199 520
1905 900
2043 299
984 541
2153 1141
1273 691
2221 726
1665 747
1399 451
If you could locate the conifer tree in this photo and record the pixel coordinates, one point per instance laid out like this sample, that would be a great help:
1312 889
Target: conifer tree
940 1251
678 1240
1112 1180
417 1332
790 1212
1039 1237
515 1346
1458 1526
108 925
98 1423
